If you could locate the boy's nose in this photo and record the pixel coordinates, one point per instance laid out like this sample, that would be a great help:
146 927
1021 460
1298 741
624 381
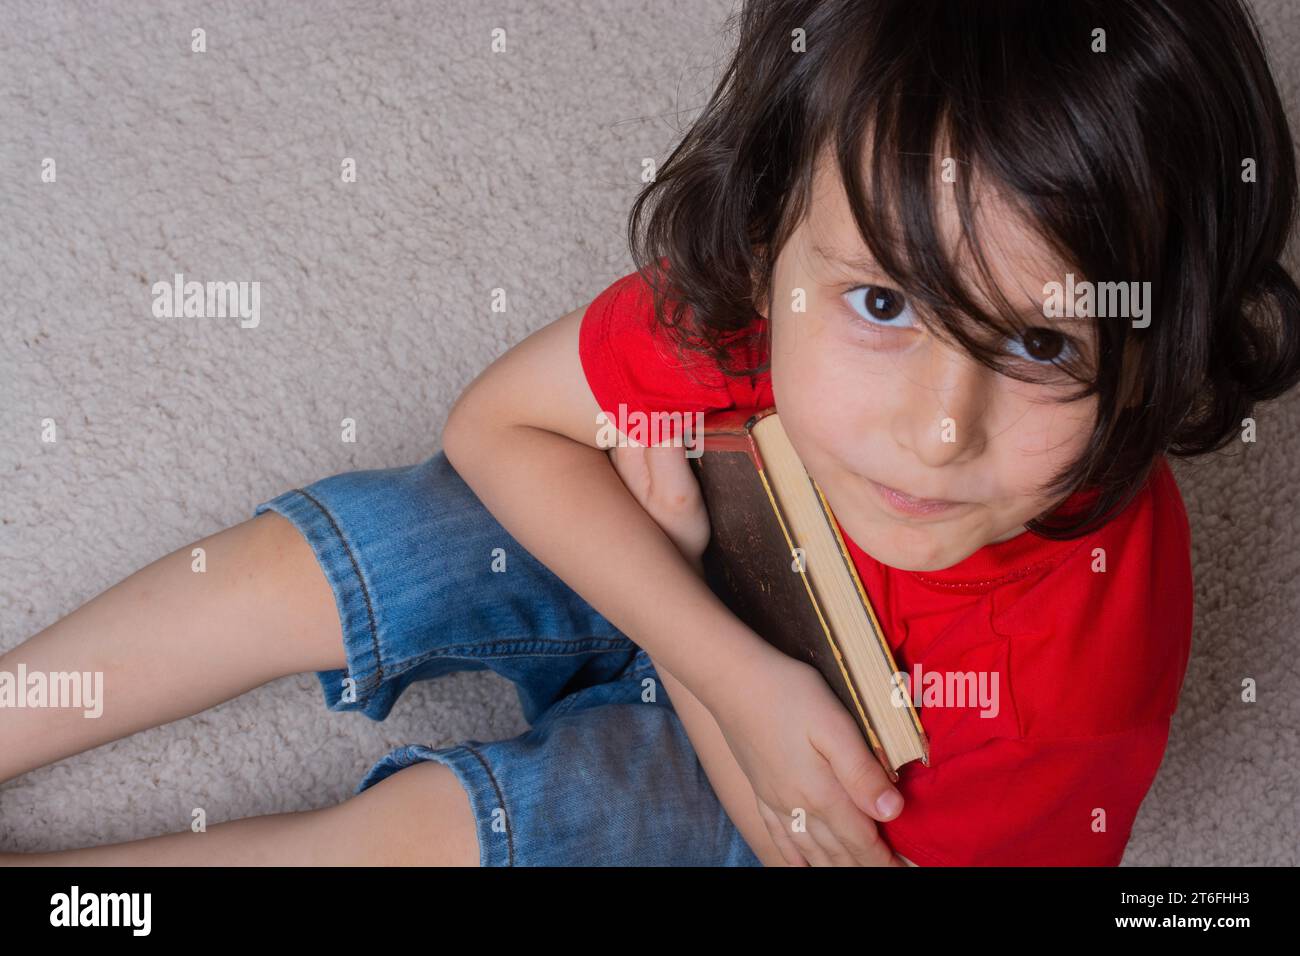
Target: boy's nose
942 416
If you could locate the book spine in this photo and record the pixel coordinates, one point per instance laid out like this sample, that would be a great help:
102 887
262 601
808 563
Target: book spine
864 720
876 629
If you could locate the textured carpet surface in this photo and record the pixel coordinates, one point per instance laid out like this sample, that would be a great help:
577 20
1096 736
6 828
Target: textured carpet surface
475 171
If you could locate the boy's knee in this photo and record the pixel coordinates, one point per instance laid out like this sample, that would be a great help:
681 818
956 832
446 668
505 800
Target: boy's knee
280 580
419 816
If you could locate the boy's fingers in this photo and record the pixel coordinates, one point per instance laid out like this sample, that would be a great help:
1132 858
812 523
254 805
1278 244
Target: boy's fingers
857 833
830 842
670 473
860 773
809 848
776 831
812 850
788 850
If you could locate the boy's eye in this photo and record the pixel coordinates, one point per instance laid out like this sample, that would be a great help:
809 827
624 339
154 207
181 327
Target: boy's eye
1040 345
886 308
879 305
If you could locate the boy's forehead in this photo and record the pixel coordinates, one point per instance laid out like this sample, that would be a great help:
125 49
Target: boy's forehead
1020 261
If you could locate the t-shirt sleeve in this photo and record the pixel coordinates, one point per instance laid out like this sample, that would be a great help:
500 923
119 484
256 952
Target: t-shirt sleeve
1018 802
630 361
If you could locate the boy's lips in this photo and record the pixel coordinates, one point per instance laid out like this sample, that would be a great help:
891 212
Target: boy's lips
906 504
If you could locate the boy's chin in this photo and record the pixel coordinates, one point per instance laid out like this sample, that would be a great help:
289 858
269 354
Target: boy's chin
917 547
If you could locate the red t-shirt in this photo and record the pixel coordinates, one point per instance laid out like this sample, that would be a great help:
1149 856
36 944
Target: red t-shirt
1089 665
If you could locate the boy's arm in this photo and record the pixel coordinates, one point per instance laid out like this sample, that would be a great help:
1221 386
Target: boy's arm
665 487
729 782
523 437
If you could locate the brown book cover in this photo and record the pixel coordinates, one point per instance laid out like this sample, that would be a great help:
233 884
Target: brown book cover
752 565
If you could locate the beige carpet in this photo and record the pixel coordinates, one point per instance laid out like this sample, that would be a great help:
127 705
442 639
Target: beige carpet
474 172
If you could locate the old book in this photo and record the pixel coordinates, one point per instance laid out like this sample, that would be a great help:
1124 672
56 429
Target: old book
778 560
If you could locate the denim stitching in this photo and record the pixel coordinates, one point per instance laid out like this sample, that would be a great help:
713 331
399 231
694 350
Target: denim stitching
504 651
365 592
501 802
569 701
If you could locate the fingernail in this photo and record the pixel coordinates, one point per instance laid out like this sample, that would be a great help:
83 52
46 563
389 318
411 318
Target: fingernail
890 802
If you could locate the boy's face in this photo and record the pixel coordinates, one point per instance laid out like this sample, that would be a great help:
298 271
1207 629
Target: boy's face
867 396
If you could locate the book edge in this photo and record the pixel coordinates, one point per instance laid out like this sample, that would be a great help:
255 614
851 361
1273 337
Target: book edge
876 629
873 738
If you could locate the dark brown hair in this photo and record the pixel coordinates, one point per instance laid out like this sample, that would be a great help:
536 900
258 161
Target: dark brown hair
1128 163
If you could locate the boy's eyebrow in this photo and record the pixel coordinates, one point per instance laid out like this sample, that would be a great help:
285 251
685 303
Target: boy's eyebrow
866 263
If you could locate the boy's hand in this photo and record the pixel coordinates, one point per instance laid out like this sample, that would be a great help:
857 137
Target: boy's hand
802 751
660 479
790 734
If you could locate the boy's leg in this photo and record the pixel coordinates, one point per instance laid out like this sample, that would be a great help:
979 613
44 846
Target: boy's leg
427 582
605 777
413 579
172 642
417 817
406 555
